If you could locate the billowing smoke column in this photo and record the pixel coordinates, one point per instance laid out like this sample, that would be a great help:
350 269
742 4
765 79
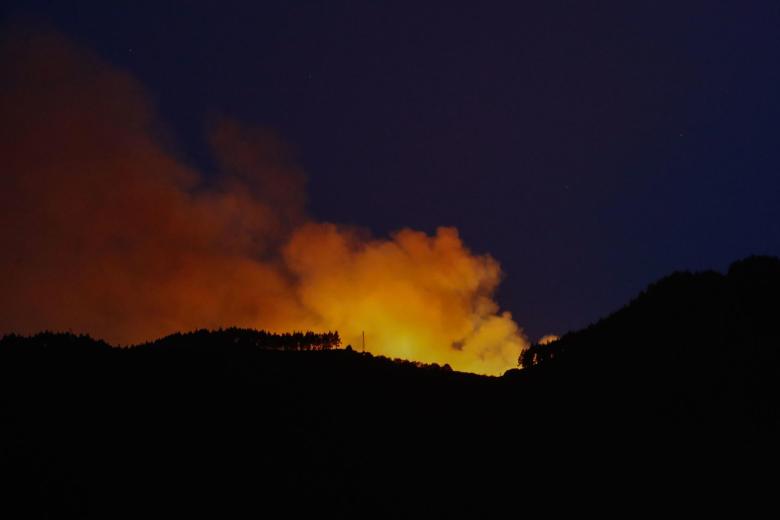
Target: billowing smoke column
416 296
105 231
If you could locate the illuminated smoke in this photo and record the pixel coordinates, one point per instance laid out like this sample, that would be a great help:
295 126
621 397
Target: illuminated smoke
549 338
106 231
420 297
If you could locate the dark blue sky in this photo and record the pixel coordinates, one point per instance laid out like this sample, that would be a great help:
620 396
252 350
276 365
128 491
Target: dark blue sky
591 147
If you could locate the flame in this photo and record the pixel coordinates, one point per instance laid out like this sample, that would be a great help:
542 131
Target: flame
108 232
549 338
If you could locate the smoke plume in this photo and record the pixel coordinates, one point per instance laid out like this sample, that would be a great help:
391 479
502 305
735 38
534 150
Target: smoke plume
105 230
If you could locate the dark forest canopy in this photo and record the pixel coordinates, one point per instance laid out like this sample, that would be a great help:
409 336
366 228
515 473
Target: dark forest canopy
202 340
240 337
255 338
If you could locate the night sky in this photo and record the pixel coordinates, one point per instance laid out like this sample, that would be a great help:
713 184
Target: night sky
590 147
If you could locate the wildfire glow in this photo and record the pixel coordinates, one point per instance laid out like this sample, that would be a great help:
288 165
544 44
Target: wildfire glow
419 297
107 231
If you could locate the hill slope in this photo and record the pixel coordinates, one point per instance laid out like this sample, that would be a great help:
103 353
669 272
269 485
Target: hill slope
698 348
198 423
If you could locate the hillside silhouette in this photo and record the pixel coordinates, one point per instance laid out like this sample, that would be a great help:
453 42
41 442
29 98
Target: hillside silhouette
673 398
698 348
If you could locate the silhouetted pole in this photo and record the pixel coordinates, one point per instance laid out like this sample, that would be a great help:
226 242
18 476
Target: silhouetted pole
364 340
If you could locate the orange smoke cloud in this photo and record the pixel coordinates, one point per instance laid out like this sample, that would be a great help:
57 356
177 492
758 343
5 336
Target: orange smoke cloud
106 231
416 296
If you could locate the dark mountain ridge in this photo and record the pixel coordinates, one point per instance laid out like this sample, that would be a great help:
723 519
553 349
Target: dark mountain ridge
663 398
701 347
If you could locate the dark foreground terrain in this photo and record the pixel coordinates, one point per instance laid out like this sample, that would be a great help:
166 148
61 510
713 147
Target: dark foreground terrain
670 405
